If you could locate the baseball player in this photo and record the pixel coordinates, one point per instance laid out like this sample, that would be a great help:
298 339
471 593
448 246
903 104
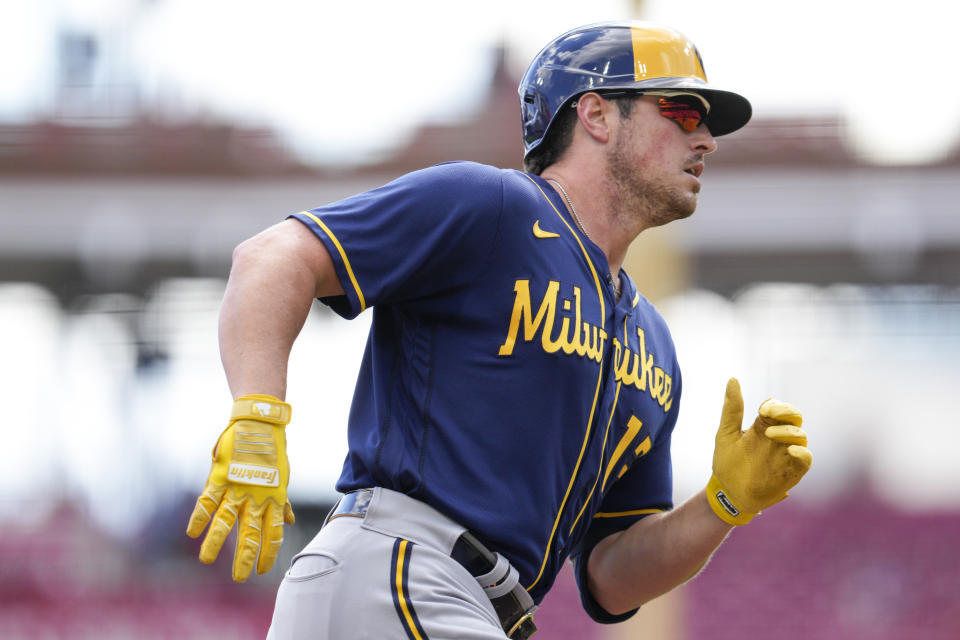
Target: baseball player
517 394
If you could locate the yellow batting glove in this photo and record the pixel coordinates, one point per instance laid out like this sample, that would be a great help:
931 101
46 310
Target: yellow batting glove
248 480
753 469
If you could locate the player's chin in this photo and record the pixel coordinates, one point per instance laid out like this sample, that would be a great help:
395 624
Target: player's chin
683 214
678 209
685 205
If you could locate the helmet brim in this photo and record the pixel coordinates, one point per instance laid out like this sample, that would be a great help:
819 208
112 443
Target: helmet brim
729 111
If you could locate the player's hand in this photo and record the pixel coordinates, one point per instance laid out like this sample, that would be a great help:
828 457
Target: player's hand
753 469
248 480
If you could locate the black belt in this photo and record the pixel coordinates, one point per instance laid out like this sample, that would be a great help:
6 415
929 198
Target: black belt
515 618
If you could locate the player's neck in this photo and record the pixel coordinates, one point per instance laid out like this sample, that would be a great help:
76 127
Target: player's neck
596 209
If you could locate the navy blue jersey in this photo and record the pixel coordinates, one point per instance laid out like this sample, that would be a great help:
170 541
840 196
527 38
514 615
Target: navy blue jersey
502 382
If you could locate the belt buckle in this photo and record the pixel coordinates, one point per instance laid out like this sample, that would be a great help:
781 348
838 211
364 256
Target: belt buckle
354 505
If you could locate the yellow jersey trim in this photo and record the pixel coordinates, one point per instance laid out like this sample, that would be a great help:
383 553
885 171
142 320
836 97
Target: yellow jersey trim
603 449
616 401
623 514
343 256
596 393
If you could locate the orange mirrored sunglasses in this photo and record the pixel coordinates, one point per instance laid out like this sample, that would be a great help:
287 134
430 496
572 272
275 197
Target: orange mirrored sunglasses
688 111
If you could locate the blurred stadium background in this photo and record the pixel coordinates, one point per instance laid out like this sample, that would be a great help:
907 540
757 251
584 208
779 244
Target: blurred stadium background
140 140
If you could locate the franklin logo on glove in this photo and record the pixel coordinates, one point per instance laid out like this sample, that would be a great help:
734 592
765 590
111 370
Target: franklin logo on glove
249 474
726 504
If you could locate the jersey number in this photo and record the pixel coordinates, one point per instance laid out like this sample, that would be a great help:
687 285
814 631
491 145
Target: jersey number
633 428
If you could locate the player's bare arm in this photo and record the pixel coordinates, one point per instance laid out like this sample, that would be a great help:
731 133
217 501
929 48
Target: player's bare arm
273 281
656 554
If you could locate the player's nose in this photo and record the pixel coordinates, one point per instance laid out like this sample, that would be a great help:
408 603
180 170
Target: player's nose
702 141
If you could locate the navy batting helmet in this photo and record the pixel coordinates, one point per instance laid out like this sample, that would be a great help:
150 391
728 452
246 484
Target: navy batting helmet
623 55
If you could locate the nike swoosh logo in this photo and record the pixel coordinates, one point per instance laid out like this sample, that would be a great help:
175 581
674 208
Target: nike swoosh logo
540 233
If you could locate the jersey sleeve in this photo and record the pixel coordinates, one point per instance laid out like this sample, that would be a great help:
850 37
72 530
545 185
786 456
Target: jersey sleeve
426 232
646 488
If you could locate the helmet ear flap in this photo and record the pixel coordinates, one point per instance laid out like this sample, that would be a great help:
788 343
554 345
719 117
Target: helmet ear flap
535 112
530 107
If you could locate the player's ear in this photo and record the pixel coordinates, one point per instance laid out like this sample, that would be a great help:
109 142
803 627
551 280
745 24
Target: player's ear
593 113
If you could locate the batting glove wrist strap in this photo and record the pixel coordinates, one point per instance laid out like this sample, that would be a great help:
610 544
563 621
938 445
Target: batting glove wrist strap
723 506
754 468
247 483
261 408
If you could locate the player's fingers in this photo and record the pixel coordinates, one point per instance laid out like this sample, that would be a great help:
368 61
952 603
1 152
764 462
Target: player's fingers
288 513
801 455
223 521
787 434
731 418
272 536
249 533
776 412
206 506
